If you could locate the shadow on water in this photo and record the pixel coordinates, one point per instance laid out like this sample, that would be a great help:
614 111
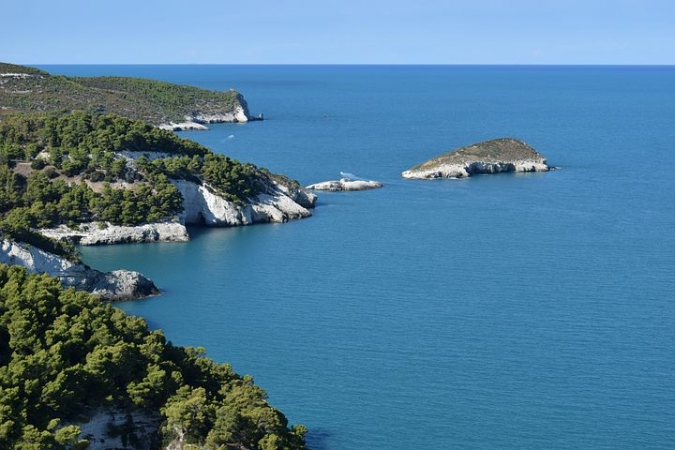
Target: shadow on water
317 439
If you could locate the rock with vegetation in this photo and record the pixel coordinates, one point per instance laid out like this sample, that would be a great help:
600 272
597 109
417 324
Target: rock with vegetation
76 373
494 156
26 89
80 168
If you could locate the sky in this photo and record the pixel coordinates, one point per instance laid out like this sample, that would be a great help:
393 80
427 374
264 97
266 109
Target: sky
338 32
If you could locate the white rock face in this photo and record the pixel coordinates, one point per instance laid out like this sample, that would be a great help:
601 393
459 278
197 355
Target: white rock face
196 121
144 425
94 234
18 75
183 126
203 207
302 197
474 168
238 115
345 184
116 285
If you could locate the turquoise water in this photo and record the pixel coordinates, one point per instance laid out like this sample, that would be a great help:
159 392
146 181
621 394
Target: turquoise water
507 311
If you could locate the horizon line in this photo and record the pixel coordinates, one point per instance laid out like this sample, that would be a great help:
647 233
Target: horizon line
362 64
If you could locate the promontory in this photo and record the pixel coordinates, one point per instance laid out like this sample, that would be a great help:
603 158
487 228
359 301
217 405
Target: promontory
167 105
494 156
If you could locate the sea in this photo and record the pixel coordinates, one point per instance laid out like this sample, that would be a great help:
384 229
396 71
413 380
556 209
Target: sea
510 311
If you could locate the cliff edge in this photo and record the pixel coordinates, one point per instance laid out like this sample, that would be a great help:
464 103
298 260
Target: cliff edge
112 286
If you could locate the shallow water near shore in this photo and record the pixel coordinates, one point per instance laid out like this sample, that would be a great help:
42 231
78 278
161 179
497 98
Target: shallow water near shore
508 311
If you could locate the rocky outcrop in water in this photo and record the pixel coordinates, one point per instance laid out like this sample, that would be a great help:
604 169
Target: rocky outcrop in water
345 184
115 285
495 156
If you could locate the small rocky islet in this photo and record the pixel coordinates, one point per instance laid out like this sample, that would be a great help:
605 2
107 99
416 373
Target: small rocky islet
345 184
487 157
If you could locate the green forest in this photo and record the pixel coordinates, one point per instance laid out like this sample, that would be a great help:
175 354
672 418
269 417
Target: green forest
64 354
67 169
153 101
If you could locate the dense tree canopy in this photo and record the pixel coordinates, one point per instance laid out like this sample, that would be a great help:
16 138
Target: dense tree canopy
74 168
63 353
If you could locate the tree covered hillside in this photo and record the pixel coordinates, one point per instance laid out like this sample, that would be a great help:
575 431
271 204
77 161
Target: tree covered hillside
71 168
64 356
26 89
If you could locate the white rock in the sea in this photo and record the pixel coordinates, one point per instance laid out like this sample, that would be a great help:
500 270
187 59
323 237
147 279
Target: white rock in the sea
96 233
116 285
345 184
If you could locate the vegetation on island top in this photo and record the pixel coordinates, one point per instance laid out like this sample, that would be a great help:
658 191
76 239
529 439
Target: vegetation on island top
495 150
153 101
70 169
64 356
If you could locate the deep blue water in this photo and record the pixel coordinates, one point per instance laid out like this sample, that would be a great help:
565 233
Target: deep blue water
506 311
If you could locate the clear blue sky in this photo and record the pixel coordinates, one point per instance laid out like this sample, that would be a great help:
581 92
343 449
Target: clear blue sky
338 31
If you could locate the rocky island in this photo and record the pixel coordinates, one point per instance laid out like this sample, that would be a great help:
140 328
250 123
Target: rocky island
345 184
494 156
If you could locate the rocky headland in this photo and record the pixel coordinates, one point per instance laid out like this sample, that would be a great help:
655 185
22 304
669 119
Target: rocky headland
169 106
494 156
238 113
201 207
112 286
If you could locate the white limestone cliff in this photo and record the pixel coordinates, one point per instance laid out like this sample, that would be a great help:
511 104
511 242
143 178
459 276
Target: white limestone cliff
115 285
275 204
183 126
96 233
197 121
